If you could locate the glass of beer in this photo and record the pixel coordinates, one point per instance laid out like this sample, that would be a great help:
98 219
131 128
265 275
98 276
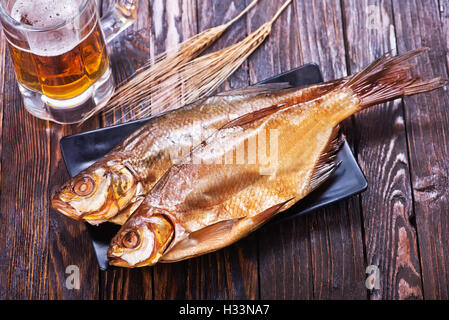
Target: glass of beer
59 52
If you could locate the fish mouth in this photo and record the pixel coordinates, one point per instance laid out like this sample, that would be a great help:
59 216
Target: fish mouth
118 262
66 209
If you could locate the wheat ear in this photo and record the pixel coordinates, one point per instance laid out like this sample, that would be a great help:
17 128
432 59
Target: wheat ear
166 65
198 78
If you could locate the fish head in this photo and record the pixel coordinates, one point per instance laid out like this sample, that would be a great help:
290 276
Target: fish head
141 241
98 193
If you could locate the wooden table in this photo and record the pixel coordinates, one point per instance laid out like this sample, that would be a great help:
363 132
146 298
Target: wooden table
400 225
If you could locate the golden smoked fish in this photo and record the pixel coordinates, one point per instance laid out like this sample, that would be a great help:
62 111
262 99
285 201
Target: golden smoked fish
210 200
112 188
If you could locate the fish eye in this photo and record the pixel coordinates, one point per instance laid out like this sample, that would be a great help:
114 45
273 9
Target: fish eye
131 240
84 186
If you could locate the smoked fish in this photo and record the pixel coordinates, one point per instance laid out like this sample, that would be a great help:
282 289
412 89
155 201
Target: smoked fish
210 200
112 188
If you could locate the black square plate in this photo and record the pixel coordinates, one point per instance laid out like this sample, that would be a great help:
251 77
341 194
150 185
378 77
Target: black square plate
81 150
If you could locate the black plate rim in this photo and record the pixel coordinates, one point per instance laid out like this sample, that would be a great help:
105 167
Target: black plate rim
361 178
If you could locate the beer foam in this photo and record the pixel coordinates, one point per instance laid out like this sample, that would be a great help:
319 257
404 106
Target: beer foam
46 13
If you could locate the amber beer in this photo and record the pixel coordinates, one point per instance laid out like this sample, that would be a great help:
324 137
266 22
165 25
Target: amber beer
67 62
64 75
58 48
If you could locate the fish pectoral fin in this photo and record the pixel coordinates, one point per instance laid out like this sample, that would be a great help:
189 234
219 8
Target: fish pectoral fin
219 235
123 215
256 90
328 163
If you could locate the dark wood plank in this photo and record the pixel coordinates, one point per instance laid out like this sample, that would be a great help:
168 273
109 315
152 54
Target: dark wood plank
24 214
427 122
337 252
3 53
402 147
284 249
68 241
337 257
128 52
381 143
230 273
320 36
444 16
42 242
336 232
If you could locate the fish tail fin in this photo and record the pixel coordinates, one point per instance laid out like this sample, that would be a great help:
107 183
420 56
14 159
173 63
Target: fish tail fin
389 78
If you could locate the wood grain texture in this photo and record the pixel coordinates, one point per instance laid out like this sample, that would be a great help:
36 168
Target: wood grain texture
68 241
444 16
284 249
400 224
3 53
128 52
230 273
381 143
24 214
427 121
335 232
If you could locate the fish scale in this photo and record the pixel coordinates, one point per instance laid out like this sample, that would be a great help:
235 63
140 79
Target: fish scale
203 206
143 157
293 124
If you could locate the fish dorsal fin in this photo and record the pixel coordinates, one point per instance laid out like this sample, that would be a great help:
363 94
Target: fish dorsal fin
256 90
219 235
253 116
327 164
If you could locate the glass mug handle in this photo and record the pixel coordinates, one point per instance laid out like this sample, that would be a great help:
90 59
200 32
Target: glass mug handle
120 15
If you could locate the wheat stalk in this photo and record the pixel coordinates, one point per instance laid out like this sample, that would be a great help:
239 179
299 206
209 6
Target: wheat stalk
202 76
166 65
192 80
